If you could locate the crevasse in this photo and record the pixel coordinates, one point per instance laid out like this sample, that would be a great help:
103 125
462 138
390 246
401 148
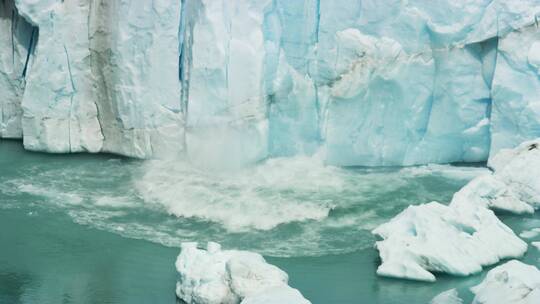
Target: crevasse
233 82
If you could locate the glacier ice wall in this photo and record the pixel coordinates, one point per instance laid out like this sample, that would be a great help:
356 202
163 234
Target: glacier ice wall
232 82
102 76
17 42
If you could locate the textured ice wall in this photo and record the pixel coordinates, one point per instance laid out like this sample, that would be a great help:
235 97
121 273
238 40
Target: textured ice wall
103 76
17 42
134 59
232 82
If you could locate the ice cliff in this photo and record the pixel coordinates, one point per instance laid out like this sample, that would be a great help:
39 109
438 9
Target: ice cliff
367 82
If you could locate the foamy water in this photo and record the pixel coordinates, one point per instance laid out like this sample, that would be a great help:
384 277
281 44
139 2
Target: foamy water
282 207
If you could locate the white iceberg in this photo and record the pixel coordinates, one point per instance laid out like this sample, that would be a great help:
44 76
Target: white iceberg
511 283
514 185
216 276
436 238
277 295
463 237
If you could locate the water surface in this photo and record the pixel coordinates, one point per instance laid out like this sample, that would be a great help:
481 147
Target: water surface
105 229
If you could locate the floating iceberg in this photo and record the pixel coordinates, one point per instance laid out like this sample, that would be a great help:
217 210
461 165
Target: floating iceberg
448 297
514 185
215 276
510 283
463 237
436 238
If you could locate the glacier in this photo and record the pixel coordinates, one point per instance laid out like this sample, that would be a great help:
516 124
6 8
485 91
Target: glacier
233 82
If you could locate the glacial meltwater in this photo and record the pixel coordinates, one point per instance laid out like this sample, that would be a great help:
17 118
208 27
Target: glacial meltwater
105 229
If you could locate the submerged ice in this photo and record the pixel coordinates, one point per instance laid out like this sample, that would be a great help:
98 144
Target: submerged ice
233 82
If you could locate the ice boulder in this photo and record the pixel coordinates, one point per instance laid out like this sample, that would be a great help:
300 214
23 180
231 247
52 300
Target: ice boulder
447 297
514 185
277 295
215 276
436 238
510 283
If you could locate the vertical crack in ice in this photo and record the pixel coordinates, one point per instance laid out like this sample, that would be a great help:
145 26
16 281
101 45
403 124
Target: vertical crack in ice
92 69
13 37
29 52
73 91
315 54
69 71
181 36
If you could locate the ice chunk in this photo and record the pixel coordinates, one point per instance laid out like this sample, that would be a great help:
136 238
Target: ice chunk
277 295
448 297
437 238
465 236
510 283
529 234
536 245
215 276
514 185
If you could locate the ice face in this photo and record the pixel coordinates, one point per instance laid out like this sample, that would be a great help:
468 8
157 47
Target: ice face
17 38
231 83
92 84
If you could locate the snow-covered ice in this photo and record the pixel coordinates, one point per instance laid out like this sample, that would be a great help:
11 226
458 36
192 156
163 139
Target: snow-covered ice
436 238
466 235
215 276
511 283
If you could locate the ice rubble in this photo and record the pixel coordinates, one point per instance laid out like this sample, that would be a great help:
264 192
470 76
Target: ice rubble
215 276
510 283
466 235
514 185
233 82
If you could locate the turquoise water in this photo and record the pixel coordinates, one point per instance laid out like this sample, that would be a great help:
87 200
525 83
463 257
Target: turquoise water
105 229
